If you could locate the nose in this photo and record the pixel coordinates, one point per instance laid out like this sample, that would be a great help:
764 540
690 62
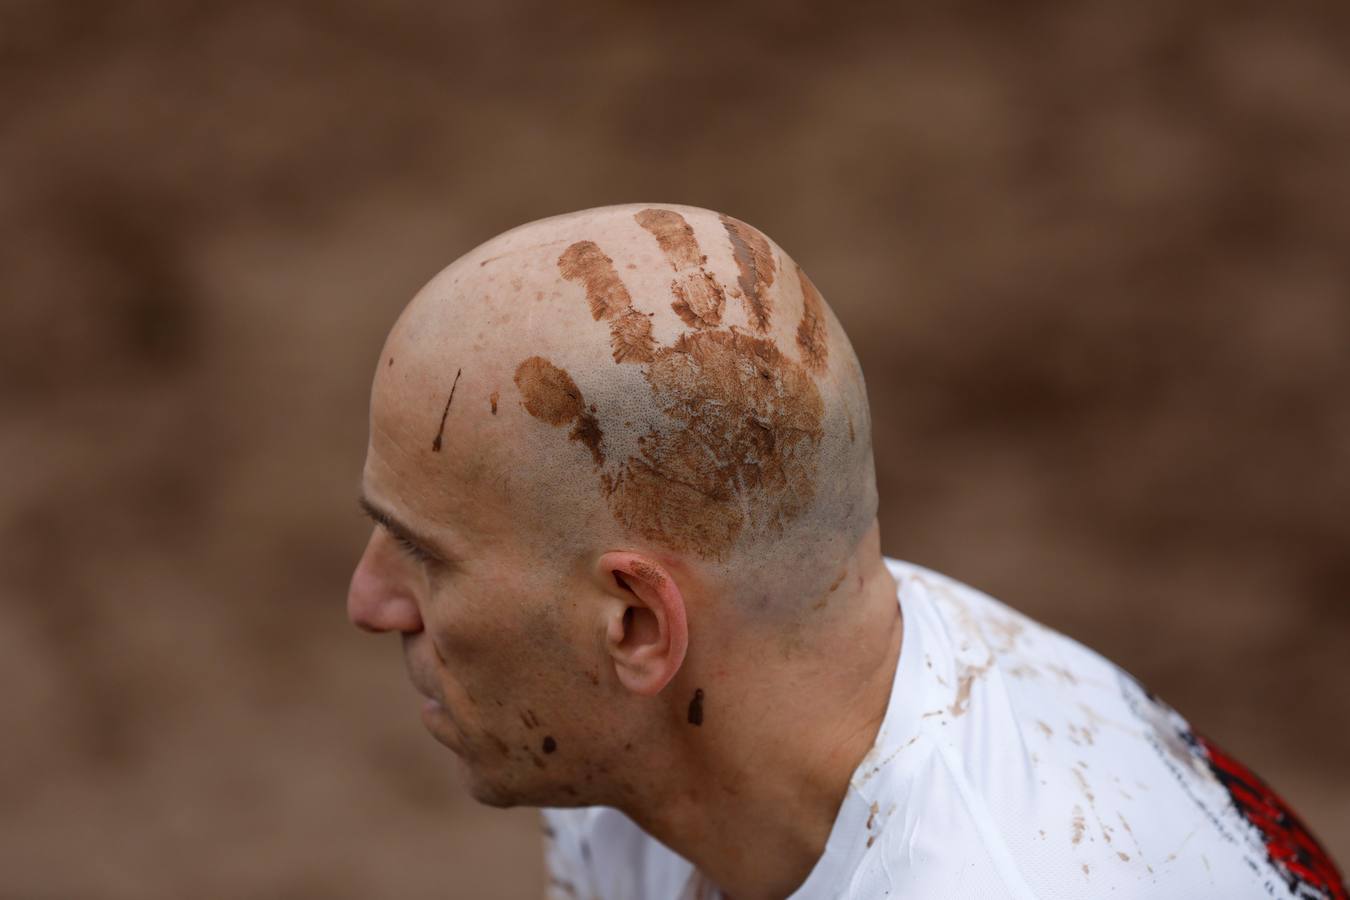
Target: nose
379 599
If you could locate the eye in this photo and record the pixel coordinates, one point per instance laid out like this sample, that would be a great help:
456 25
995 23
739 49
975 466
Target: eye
413 551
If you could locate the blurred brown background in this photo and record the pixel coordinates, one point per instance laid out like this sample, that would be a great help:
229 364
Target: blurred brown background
1093 257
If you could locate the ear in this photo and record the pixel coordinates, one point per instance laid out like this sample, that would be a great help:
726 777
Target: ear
646 634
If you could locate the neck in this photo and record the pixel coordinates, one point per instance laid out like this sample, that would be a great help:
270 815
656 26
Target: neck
750 797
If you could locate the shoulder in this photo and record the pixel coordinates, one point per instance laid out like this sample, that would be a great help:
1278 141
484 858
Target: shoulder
1056 765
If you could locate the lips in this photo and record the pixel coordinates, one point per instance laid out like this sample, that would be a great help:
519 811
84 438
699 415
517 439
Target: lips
418 673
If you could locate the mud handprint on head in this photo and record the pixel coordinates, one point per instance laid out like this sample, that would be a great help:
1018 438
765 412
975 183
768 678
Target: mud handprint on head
745 418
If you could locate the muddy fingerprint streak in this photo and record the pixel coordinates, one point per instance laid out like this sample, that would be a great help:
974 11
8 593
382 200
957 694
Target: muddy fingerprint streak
811 336
699 298
550 394
630 332
674 235
754 258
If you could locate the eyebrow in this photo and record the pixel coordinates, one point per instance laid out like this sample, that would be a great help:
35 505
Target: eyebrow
401 531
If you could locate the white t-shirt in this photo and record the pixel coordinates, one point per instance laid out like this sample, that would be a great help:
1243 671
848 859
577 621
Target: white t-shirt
1012 763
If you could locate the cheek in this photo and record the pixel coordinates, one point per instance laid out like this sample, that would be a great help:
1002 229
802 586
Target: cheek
473 634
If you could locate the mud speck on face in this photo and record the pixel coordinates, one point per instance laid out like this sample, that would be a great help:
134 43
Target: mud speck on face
755 260
550 744
493 401
550 394
811 337
630 331
696 708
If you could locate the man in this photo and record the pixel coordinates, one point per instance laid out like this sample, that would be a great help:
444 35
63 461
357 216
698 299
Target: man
620 464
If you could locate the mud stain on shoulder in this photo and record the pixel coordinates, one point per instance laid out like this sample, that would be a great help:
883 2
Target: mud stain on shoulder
812 339
630 331
440 431
965 681
699 298
550 394
754 258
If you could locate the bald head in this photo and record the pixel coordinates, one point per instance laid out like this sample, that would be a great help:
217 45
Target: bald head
657 377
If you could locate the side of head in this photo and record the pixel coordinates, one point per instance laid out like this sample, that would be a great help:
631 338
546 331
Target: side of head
616 445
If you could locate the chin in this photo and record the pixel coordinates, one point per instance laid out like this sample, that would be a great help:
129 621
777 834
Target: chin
508 796
495 797
493 794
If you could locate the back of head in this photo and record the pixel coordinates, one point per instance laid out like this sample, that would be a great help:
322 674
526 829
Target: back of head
677 383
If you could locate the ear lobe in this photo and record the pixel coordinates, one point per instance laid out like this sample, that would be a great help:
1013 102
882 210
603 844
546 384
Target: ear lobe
646 633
